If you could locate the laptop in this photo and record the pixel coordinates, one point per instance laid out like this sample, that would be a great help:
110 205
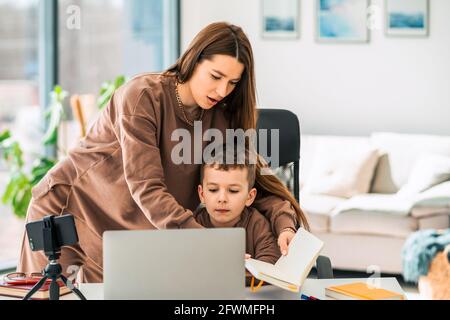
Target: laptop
191 264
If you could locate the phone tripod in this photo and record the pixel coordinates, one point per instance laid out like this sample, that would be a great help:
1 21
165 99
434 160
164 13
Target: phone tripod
53 270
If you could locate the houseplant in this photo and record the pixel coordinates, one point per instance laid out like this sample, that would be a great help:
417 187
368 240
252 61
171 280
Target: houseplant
18 190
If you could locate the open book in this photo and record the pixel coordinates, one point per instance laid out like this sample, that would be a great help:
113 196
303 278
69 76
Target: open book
290 271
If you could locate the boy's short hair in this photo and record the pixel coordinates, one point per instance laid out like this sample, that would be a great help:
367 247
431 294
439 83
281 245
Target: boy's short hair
232 157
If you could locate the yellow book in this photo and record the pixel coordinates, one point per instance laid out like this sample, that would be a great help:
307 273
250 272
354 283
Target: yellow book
361 291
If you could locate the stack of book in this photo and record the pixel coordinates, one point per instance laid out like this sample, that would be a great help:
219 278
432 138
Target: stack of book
361 291
21 290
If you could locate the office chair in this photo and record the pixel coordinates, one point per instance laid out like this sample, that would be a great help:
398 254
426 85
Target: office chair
289 145
289 163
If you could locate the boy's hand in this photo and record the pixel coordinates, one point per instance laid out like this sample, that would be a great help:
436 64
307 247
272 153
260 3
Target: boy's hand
284 239
247 256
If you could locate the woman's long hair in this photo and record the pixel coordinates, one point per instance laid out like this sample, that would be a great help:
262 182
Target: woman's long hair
271 184
226 39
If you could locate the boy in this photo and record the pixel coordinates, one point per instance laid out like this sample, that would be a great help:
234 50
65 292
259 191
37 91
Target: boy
227 192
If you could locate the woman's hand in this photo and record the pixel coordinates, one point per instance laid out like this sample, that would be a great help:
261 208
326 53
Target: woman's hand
284 239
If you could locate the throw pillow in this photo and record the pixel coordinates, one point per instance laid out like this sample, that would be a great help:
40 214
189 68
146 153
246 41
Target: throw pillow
342 173
428 171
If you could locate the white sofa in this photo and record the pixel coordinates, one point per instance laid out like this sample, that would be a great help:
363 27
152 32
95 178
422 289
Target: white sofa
366 230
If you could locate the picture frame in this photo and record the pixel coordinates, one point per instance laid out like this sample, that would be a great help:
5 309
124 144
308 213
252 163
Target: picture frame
342 21
409 18
280 19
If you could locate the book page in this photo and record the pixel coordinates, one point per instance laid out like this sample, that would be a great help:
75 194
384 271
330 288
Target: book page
258 268
303 252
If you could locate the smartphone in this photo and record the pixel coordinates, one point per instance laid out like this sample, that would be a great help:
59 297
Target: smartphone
64 228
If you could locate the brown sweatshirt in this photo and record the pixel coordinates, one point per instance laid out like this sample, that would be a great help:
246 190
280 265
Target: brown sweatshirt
121 175
260 241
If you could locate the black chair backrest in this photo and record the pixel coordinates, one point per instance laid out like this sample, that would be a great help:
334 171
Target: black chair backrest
288 125
289 144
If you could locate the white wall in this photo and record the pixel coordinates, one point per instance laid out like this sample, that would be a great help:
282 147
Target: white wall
388 84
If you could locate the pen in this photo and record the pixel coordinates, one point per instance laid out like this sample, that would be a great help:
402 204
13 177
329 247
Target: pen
305 297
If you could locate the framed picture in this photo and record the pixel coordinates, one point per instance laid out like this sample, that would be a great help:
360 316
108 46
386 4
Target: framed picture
342 21
280 18
407 17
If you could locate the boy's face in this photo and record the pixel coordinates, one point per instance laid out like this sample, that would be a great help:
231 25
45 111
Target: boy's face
225 194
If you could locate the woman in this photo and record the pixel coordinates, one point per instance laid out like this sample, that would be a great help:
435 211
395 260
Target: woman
122 176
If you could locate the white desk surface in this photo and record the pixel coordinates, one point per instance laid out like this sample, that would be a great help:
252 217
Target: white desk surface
311 287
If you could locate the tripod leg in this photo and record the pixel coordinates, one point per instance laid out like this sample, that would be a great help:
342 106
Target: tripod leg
54 289
35 288
70 285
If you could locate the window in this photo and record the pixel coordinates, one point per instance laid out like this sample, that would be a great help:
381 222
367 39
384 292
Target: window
19 101
102 39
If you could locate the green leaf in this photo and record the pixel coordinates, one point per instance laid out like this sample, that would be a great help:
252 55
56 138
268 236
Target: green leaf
40 169
17 154
58 90
55 113
21 202
103 100
18 193
51 137
5 135
104 87
120 80
13 155
10 191
107 90
16 181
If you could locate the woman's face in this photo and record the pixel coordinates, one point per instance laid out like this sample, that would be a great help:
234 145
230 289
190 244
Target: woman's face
213 80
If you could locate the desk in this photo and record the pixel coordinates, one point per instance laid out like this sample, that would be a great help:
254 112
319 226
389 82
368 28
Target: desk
314 287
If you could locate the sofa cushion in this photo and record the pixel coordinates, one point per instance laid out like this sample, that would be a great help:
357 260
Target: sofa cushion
377 203
434 222
433 201
388 215
435 197
428 171
402 151
341 171
318 209
422 212
361 251
310 144
375 223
